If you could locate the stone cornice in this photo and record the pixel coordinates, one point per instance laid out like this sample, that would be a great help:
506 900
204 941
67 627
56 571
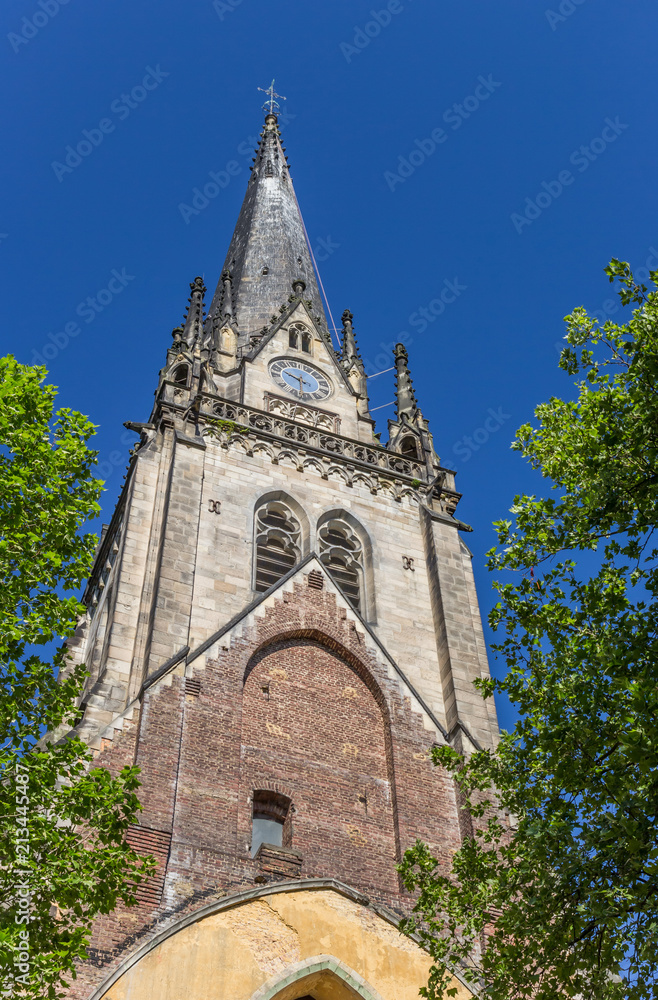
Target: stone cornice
287 435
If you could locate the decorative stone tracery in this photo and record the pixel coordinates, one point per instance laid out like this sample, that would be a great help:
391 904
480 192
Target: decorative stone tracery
302 413
278 543
341 552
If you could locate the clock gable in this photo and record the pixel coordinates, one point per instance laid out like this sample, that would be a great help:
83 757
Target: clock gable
296 345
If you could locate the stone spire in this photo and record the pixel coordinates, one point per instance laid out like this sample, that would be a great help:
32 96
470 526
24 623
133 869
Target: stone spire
225 309
350 353
268 250
193 328
409 433
405 396
354 367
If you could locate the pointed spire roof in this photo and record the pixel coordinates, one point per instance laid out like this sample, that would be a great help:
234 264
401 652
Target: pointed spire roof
350 352
405 396
225 305
268 250
193 328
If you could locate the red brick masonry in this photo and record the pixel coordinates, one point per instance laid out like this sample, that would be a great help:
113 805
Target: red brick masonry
298 706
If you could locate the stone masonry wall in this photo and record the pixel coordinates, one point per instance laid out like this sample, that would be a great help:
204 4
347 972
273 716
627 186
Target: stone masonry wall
187 565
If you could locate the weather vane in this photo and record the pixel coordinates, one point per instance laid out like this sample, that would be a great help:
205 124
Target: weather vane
271 104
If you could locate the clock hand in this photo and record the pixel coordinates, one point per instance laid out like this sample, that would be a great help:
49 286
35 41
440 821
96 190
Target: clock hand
300 378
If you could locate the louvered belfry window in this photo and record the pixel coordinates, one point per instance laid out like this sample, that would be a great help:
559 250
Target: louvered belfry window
341 552
278 543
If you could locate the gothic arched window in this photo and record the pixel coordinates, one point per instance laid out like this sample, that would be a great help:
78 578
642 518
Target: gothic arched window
180 375
409 448
298 336
278 543
341 551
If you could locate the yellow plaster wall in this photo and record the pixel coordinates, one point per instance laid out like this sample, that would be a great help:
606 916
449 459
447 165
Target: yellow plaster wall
231 954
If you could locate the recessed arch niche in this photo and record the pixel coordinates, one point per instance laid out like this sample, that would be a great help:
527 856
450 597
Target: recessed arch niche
252 945
315 726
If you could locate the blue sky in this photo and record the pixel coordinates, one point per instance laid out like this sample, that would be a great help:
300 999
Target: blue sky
432 146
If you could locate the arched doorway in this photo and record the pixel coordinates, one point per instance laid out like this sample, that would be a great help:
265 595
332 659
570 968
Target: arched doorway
272 943
323 977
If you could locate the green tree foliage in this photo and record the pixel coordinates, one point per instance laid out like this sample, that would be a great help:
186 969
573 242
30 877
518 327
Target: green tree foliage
569 894
63 857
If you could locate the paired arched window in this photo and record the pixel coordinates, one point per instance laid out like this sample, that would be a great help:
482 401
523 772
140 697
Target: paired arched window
299 337
341 551
282 539
278 543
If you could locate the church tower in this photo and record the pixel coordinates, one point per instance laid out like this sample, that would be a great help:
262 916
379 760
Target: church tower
281 623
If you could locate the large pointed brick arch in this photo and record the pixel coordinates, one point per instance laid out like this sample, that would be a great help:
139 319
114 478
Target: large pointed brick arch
327 637
314 720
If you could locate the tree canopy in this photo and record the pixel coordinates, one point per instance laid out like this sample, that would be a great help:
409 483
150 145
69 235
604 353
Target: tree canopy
63 855
565 903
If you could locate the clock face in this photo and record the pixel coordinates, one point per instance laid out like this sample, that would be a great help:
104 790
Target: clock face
300 379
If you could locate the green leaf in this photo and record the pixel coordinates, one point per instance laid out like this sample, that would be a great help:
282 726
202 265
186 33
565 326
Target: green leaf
73 816
561 875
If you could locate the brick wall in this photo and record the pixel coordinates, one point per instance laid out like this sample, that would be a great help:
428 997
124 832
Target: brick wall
297 704
311 725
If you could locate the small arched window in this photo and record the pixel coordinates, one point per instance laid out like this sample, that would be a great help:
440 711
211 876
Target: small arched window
278 543
298 336
409 448
271 821
341 552
180 375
